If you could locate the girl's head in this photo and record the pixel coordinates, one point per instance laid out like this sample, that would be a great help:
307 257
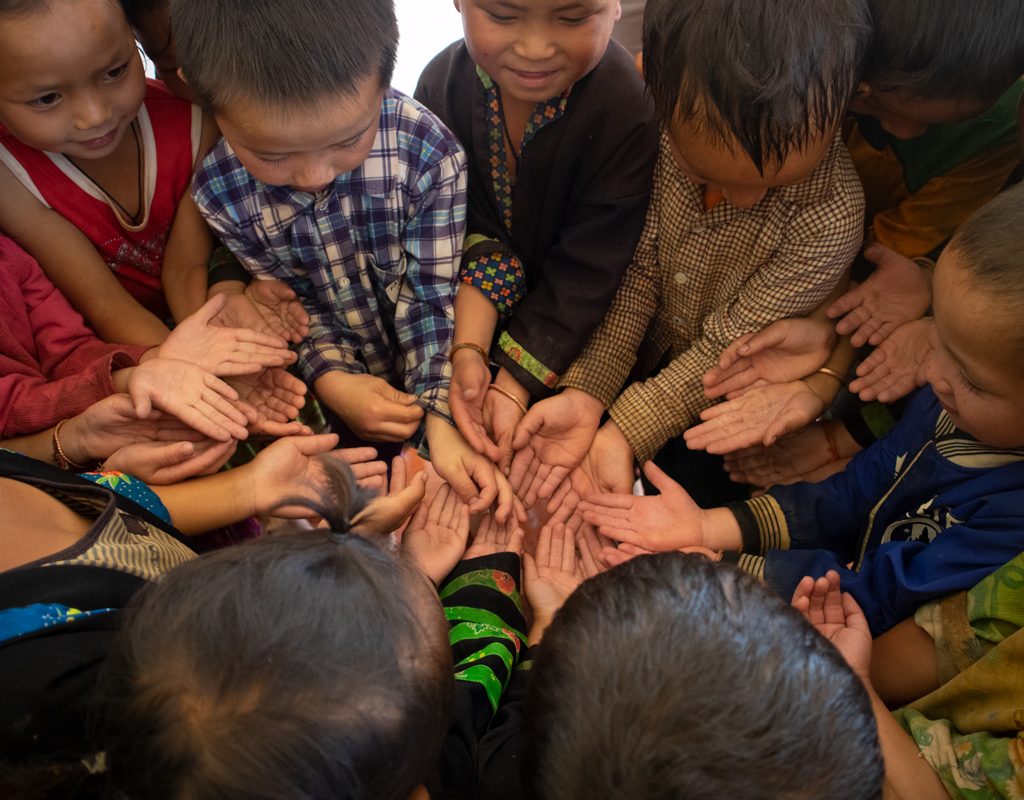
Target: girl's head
71 80
292 666
978 298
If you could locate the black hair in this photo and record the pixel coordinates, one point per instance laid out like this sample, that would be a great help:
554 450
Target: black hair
306 665
772 76
138 10
672 677
282 54
989 246
942 49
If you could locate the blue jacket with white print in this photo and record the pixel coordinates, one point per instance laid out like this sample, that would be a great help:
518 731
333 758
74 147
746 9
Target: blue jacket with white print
925 511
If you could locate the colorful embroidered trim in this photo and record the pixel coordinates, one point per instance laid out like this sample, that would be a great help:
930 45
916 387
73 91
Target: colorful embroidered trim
515 351
132 488
500 277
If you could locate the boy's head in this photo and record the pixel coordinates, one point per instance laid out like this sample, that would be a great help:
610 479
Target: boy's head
751 93
939 61
671 676
535 49
976 367
295 88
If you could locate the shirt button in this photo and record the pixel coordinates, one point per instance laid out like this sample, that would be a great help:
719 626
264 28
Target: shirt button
678 321
344 283
681 278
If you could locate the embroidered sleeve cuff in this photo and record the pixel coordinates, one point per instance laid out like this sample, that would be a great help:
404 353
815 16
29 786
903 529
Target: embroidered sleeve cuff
497 272
539 379
754 565
762 524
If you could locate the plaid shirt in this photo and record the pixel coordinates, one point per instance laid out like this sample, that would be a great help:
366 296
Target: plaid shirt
374 257
699 279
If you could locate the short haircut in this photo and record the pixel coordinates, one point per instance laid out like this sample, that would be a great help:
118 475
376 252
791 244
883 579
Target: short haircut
282 54
942 49
310 665
989 247
672 677
771 76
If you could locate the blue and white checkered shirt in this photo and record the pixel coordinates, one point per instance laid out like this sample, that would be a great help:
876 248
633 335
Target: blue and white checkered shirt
374 257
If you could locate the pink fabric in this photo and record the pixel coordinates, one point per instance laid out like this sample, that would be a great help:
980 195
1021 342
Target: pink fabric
51 365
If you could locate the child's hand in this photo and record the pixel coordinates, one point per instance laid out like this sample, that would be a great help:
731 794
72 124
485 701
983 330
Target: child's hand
897 292
758 416
502 415
280 309
837 617
613 556
551 440
164 463
474 478
276 396
550 576
590 544
370 406
386 514
223 351
288 469
189 393
470 379
370 473
786 350
496 537
665 521
791 457
889 373
436 537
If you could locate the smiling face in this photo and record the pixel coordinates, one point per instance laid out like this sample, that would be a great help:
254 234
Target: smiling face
536 49
71 80
304 148
731 170
905 116
976 368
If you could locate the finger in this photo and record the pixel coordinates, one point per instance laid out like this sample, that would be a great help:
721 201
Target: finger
357 455
612 557
529 569
364 470
844 304
803 589
658 478
449 510
552 482
515 541
506 500
864 332
528 426
732 384
617 513
543 550
568 560
733 352
399 477
634 550
561 499
210 309
485 483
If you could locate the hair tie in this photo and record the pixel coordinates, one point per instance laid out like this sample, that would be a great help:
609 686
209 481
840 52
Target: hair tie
337 536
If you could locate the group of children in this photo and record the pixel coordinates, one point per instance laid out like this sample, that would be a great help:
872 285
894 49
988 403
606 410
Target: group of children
560 260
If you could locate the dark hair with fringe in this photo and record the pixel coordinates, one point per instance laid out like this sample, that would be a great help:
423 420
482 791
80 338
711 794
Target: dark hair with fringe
988 247
290 54
671 676
771 76
308 665
944 49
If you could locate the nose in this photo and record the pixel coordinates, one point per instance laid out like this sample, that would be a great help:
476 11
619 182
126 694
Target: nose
313 174
535 43
91 110
743 198
934 371
902 128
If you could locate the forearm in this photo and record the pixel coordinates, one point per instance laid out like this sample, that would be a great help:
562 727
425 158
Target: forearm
34 445
185 288
907 775
721 530
475 317
209 502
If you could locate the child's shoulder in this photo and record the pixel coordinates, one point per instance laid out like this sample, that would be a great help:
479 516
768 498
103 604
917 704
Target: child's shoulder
613 88
416 134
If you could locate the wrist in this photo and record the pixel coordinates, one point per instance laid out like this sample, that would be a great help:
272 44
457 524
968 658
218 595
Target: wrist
585 401
720 530
121 378
226 287
823 386
70 445
505 380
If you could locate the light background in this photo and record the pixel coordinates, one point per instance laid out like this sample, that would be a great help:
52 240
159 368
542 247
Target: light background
425 27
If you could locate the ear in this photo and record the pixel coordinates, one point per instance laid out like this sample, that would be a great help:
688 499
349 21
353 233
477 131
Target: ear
181 74
863 90
618 10
458 5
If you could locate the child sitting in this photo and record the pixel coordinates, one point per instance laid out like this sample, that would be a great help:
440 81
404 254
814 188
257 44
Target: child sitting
94 168
755 215
929 509
671 677
349 192
561 144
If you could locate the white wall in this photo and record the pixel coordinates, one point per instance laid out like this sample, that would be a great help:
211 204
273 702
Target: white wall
425 27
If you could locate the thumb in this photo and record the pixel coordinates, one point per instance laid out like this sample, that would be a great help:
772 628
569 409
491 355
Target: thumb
141 401
875 253
529 569
764 339
662 482
527 427
404 398
210 308
313 445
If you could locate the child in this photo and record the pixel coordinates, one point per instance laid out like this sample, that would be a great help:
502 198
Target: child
561 144
674 677
349 192
94 167
755 215
356 699
932 507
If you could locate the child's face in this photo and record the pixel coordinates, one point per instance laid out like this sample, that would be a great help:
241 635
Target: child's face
975 368
905 116
154 34
300 147
71 80
536 49
731 170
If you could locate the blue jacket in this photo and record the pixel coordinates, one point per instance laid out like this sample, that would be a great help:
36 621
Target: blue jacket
925 511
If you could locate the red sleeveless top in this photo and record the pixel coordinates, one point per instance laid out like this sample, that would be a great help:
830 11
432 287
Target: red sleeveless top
170 131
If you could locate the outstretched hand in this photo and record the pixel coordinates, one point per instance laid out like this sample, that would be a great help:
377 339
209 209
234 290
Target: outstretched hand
496 537
223 350
786 350
786 461
837 617
550 576
470 379
436 537
759 416
889 373
387 513
897 292
276 396
666 521
163 463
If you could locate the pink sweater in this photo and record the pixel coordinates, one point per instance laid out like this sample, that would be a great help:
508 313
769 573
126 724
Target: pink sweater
51 365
